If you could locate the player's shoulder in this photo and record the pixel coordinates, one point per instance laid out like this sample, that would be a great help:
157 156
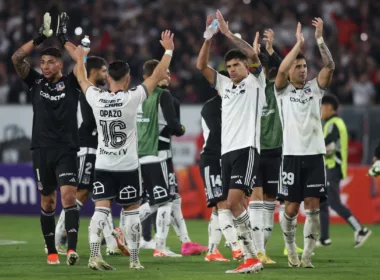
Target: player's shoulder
95 90
211 104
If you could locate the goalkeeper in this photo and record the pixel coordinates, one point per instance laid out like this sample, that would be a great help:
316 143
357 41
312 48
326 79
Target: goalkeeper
336 141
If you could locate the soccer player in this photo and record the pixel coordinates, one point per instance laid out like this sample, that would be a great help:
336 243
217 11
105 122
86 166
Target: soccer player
263 199
96 68
156 123
303 170
336 141
117 174
374 171
211 171
243 98
54 137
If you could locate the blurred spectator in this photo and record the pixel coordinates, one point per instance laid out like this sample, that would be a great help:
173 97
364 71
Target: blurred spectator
355 149
130 30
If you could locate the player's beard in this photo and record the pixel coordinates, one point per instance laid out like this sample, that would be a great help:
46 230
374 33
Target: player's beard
101 82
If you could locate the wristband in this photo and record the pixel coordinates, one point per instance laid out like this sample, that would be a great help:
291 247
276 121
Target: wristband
320 41
169 52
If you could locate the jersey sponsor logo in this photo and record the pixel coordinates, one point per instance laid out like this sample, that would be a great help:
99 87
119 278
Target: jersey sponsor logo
111 103
18 190
111 113
38 81
66 174
60 86
315 186
120 152
51 97
302 101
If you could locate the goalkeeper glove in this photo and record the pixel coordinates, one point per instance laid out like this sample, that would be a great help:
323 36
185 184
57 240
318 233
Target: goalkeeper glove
45 31
374 171
63 19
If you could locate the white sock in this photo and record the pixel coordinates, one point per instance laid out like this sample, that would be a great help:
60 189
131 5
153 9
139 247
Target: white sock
144 211
268 214
79 205
228 229
97 223
289 225
60 229
178 221
281 212
121 221
214 233
132 228
310 232
163 224
244 231
107 233
256 218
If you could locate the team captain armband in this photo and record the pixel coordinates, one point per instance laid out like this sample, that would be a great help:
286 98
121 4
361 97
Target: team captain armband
255 68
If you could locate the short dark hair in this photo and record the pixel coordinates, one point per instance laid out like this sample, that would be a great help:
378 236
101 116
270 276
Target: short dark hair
149 67
235 54
94 62
332 100
300 56
118 70
52 52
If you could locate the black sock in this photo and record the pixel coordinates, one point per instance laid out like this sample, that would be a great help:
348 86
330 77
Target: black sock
47 220
72 226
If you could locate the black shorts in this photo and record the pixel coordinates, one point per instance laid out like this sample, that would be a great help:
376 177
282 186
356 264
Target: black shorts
239 169
268 173
302 176
156 185
172 180
122 186
86 171
54 167
211 172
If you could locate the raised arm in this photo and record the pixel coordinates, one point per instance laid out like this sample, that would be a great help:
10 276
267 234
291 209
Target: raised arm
160 71
283 70
202 62
78 55
325 75
62 36
274 60
246 48
18 58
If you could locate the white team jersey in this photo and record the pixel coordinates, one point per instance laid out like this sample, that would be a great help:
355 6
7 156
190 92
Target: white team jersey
241 111
300 113
115 115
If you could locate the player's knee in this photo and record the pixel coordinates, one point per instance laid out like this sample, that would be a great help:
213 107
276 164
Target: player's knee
291 209
48 203
222 205
131 207
68 196
82 195
269 197
257 194
312 203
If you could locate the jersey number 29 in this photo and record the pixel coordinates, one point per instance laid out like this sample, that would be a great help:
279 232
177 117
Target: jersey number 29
112 134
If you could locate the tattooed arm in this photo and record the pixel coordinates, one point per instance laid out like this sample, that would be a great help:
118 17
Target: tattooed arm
325 75
243 46
18 59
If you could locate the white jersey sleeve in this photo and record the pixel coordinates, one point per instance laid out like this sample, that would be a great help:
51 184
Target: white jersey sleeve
139 94
92 93
280 92
315 88
220 81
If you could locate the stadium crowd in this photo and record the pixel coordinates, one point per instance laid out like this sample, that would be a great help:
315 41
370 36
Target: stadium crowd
129 29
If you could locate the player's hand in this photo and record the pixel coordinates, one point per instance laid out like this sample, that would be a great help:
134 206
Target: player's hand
63 20
223 25
374 171
80 53
318 24
269 38
45 27
167 40
299 35
256 45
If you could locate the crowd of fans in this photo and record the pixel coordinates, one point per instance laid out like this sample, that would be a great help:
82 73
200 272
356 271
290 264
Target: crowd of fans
130 30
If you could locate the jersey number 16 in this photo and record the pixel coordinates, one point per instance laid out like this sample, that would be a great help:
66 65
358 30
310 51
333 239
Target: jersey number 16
112 134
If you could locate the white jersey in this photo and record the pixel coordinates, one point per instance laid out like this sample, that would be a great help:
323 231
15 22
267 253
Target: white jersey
300 113
115 115
241 111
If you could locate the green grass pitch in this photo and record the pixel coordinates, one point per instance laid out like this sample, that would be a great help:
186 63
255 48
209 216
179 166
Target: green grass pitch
339 261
